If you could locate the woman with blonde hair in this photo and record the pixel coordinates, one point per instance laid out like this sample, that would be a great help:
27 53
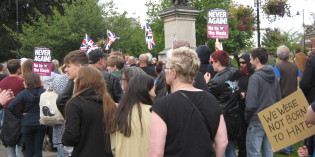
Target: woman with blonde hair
87 115
188 122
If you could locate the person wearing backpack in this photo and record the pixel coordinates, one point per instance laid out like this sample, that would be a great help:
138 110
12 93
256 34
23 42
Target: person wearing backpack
32 132
224 87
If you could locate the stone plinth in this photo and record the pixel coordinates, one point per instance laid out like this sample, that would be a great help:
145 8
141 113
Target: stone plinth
179 23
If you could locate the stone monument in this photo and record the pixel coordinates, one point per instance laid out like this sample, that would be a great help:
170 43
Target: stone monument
179 24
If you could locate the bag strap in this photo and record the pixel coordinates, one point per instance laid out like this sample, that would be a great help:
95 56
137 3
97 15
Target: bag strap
197 110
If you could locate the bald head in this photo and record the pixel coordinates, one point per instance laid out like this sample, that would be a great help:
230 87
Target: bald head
131 60
144 58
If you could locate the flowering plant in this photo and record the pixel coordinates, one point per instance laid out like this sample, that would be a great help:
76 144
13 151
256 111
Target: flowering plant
274 8
245 17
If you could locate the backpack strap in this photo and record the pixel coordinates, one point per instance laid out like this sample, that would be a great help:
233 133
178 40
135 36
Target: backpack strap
197 110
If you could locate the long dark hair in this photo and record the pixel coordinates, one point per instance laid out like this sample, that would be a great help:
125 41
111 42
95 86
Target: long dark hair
137 92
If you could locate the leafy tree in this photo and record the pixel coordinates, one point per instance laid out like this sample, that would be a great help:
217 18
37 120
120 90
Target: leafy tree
27 11
274 38
237 39
64 33
131 35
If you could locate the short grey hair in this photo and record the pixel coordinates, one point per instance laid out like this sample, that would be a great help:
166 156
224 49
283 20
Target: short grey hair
283 52
55 62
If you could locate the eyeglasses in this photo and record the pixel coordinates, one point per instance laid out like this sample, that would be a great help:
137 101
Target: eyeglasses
243 63
167 68
123 79
212 61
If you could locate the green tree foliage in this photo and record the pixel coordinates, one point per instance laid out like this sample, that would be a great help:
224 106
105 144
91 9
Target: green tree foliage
7 38
237 39
131 35
27 11
64 32
274 38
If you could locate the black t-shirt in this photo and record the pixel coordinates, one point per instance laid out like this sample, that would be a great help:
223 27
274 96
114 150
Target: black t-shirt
187 133
150 71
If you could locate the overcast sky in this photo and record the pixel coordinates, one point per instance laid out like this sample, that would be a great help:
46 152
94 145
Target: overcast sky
137 8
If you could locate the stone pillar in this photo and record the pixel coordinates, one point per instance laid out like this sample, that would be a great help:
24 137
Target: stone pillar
179 22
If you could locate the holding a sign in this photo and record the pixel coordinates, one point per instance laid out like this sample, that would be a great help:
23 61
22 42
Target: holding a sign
218 27
42 61
284 122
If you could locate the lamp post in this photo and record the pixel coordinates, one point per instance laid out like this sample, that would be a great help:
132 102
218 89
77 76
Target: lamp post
303 31
258 21
17 26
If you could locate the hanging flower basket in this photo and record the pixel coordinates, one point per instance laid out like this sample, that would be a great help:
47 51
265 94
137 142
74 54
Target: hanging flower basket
245 17
276 8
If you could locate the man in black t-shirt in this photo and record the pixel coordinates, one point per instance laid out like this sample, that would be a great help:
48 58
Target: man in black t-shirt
143 64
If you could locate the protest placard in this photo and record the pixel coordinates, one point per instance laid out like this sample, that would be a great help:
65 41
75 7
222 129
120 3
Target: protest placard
284 121
218 26
42 61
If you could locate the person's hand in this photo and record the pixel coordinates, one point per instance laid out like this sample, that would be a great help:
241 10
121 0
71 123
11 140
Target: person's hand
6 96
218 45
302 151
207 77
242 95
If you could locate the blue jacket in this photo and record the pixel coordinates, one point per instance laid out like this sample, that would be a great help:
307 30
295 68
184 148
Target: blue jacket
29 98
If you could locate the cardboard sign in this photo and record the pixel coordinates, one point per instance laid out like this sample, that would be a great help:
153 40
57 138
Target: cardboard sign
284 121
218 26
42 61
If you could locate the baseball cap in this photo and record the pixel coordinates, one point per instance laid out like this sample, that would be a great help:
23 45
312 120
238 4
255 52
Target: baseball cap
96 55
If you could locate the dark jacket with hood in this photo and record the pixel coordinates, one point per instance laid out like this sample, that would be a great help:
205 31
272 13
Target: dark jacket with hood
263 91
219 88
113 85
244 78
307 83
84 125
29 98
203 53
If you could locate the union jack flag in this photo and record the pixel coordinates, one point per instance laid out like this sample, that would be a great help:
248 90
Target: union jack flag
111 37
88 44
149 37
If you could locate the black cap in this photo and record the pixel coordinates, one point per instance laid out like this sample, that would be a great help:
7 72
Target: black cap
96 55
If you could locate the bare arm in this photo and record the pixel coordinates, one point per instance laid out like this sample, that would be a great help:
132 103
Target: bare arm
158 131
310 116
220 139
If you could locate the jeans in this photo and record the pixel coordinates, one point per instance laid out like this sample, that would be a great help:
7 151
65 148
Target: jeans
257 141
230 149
15 151
288 150
61 151
33 139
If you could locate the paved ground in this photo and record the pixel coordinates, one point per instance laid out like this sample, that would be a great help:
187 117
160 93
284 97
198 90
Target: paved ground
3 152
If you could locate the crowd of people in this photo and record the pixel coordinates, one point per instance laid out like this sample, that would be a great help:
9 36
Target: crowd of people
194 104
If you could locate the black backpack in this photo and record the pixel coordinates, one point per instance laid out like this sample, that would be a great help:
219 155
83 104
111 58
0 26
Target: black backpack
11 129
233 116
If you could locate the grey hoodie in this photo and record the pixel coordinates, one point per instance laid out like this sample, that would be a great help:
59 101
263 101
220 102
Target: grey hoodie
263 91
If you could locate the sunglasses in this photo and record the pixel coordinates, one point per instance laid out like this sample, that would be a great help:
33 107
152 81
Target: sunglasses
243 63
212 61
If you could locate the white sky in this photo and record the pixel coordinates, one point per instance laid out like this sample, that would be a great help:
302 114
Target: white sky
137 8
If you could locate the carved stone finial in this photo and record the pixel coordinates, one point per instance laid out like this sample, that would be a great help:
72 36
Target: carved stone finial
179 2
